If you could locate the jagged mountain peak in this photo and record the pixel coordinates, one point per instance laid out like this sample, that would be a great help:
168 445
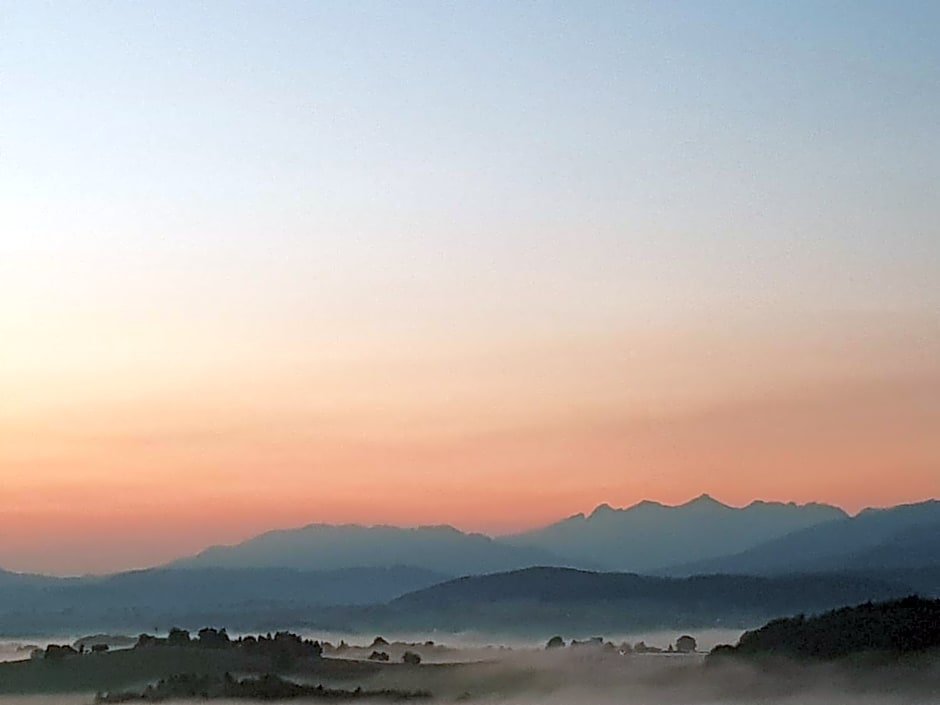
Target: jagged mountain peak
648 535
705 500
602 510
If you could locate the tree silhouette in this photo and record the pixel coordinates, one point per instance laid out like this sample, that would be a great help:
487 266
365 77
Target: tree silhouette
178 637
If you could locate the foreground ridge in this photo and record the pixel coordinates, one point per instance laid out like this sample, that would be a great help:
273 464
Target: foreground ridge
265 687
904 626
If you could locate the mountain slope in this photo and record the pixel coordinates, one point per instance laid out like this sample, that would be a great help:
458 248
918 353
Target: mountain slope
196 597
897 627
649 535
902 537
546 600
568 585
326 547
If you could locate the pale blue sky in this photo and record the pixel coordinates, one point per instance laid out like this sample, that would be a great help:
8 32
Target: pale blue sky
547 167
789 144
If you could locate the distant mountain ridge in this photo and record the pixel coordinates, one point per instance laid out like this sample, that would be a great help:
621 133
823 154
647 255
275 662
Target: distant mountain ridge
649 536
442 549
898 538
643 538
700 536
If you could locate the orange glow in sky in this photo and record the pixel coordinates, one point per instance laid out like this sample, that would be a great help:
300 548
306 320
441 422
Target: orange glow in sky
128 467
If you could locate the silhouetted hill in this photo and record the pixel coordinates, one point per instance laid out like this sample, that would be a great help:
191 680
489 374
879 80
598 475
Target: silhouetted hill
143 598
649 535
9 579
326 547
907 625
570 585
541 599
900 538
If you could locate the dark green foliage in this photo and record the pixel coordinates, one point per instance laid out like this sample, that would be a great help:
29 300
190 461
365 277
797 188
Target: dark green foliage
284 647
213 638
411 658
178 637
594 641
686 644
126 668
54 652
556 642
265 687
908 625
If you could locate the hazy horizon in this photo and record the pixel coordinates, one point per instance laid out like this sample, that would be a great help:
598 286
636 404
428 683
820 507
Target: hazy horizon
41 560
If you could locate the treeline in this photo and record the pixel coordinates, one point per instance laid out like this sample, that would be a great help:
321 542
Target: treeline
266 687
907 625
283 647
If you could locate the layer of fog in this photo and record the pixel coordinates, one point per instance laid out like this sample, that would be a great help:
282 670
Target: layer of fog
20 649
569 677
591 676
707 639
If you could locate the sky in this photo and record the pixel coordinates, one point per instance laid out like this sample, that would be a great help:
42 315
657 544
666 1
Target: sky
486 264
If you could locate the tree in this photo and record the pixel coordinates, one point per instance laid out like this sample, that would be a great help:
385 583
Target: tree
556 642
54 652
686 644
411 658
178 637
145 641
213 638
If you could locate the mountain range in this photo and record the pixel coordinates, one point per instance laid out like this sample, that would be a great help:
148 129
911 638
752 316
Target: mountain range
345 577
646 537
699 537
902 537
442 549
650 536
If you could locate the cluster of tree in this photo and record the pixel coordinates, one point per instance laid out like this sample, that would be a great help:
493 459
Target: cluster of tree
57 652
685 644
908 625
266 687
382 650
283 647
109 640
